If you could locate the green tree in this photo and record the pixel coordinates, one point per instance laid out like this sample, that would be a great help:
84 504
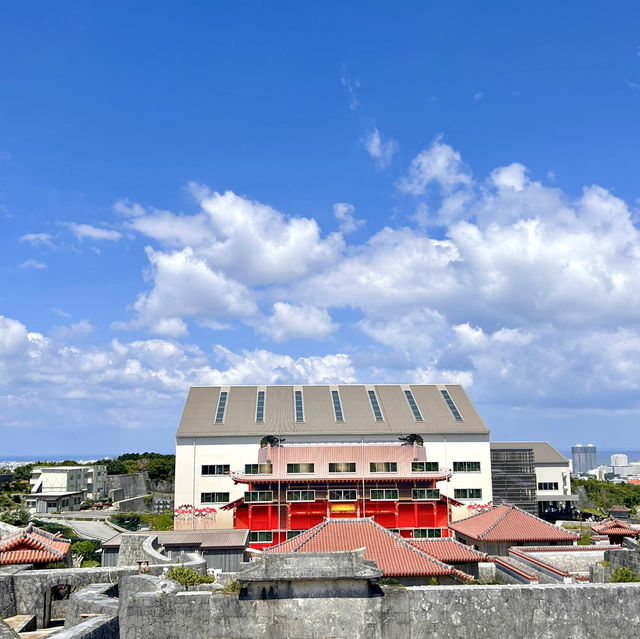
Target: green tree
86 548
16 517
623 574
161 468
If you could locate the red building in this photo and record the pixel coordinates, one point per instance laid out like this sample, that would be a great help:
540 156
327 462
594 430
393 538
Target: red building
293 488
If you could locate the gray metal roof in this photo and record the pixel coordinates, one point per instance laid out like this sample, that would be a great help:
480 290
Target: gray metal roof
543 452
198 418
204 539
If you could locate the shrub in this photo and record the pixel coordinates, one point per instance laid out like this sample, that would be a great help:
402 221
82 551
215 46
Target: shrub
189 577
388 581
232 588
623 574
90 563
86 549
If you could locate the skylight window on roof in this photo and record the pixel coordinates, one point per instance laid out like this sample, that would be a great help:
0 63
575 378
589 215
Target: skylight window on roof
299 408
222 403
260 407
417 415
337 406
452 407
375 406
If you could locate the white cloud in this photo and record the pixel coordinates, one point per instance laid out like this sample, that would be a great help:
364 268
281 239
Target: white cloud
439 164
290 322
478 96
344 213
351 86
77 330
513 177
382 151
82 231
34 264
37 239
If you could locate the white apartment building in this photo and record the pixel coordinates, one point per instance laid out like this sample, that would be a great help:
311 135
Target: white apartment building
222 428
58 488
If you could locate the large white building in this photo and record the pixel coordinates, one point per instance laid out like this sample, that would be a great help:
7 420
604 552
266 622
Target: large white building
222 428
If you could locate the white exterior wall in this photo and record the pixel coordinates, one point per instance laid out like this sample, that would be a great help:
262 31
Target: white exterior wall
193 453
553 473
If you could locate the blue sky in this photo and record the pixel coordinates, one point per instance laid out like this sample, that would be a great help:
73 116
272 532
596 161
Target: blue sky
203 193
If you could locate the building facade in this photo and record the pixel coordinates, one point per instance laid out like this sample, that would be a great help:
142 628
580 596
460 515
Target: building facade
584 458
552 495
58 488
224 429
513 476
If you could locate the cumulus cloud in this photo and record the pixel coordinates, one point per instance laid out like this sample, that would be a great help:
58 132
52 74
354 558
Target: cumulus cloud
344 213
83 231
382 151
73 331
439 164
289 322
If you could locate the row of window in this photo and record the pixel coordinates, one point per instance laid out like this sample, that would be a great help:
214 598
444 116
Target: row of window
346 494
267 536
547 485
337 406
344 467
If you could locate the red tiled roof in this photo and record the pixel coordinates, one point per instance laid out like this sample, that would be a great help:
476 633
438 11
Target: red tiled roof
619 509
509 523
448 550
613 526
33 546
635 482
393 555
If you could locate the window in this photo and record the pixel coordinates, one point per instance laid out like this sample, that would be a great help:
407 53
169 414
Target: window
375 406
258 469
299 408
424 533
260 535
548 485
414 407
214 498
466 467
383 467
300 468
467 493
222 403
342 495
301 495
424 467
425 493
383 494
342 467
337 406
294 533
260 407
216 469
452 407
258 495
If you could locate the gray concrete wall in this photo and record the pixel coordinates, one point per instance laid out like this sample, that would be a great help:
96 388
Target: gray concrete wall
469 612
132 484
132 504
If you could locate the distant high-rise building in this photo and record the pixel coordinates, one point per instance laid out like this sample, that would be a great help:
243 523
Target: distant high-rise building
584 458
619 460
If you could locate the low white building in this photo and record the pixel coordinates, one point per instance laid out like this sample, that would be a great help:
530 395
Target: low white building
58 488
222 428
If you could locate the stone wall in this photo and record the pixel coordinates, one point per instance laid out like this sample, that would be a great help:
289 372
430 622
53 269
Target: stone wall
31 587
134 548
132 504
6 632
7 597
91 600
469 612
571 560
95 628
132 485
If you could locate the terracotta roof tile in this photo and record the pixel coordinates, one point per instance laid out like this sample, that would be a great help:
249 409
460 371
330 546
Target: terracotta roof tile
393 555
509 523
448 550
32 545
613 526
